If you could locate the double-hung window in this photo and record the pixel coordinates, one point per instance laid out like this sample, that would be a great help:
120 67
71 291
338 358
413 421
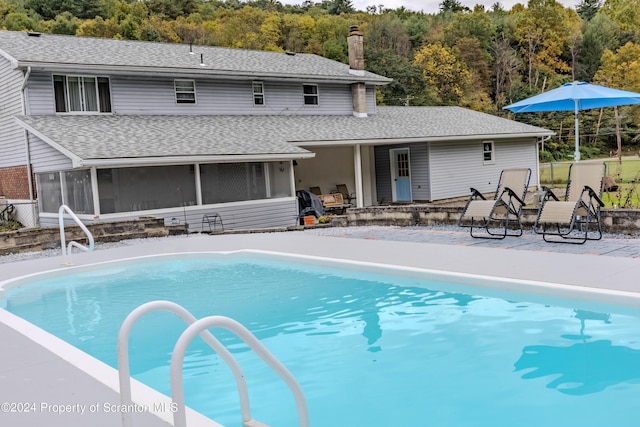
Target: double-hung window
82 94
310 94
487 153
185 91
258 93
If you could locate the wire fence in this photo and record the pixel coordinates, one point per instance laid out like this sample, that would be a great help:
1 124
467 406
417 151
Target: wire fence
18 214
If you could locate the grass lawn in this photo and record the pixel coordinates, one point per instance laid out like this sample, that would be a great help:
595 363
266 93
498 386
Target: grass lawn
626 175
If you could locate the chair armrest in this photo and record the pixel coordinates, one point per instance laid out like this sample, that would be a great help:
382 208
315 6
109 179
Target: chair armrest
594 195
548 193
476 193
514 195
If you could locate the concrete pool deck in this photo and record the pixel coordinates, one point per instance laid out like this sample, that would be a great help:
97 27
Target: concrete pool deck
30 373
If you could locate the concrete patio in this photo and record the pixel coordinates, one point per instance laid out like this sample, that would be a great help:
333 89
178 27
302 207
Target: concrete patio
29 372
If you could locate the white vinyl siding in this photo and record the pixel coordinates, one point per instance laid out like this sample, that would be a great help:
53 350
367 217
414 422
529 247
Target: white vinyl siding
253 214
151 95
45 158
457 166
12 143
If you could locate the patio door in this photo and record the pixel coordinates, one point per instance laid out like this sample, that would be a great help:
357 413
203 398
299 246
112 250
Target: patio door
400 175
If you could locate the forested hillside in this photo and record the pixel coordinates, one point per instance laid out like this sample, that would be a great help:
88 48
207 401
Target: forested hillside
481 59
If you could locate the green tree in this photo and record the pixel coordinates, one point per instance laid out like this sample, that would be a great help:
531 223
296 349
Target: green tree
541 31
452 6
387 33
505 65
65 23
587 9
444 72
621 70
99 27
599 33
18 21
408 85
338 7
172 8
477 25
626 13
49 9
297 31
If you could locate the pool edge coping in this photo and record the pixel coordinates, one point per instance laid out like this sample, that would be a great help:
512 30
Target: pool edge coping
145 395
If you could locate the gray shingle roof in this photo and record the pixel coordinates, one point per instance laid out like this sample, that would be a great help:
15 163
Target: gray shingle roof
105 137
49 51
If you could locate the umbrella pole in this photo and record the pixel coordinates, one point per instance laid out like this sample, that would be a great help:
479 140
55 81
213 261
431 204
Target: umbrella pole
576 154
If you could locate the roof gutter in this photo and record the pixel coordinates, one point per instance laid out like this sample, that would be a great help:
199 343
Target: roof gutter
156 161
79 162
391 141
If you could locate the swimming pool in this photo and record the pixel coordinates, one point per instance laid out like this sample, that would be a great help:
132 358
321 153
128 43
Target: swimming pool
368 349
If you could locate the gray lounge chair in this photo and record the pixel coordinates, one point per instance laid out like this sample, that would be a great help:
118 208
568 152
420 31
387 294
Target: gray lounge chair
572 219
495 215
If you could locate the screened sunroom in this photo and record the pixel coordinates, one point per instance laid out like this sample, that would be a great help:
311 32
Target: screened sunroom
175 192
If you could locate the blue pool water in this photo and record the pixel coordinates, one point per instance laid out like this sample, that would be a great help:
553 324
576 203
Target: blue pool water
368 350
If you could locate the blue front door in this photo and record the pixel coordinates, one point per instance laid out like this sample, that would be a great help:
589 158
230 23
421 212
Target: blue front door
401 175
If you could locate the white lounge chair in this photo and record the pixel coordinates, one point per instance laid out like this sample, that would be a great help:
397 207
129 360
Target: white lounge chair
573 218
495 214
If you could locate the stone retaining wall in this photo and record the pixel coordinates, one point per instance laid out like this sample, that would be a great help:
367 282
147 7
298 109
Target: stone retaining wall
616 221
34 239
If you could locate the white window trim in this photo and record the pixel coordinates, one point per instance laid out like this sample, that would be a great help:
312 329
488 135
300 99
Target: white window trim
304 95
493 153
253 93
66 94
175 91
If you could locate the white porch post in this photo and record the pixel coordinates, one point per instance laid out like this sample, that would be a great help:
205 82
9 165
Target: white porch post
95 191
292 178
196 173
357 160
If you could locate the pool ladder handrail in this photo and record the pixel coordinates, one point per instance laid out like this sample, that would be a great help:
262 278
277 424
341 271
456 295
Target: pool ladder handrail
124 373
196 328
67 250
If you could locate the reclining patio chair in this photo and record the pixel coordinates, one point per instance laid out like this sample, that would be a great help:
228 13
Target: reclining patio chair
346 196
573 218
506 206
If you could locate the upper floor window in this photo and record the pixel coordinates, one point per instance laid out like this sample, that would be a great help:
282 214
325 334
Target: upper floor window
487 152
310 94
258 93
82 94
185 91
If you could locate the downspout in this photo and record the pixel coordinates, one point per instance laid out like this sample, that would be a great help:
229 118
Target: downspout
26 141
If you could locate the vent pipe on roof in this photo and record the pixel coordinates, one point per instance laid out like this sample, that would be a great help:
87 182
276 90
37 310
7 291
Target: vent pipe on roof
355 41
191 48
202 60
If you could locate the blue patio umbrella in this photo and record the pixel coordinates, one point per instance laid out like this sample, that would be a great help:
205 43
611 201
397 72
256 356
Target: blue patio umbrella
575 96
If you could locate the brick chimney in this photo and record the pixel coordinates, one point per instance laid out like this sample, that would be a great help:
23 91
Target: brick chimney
356 68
